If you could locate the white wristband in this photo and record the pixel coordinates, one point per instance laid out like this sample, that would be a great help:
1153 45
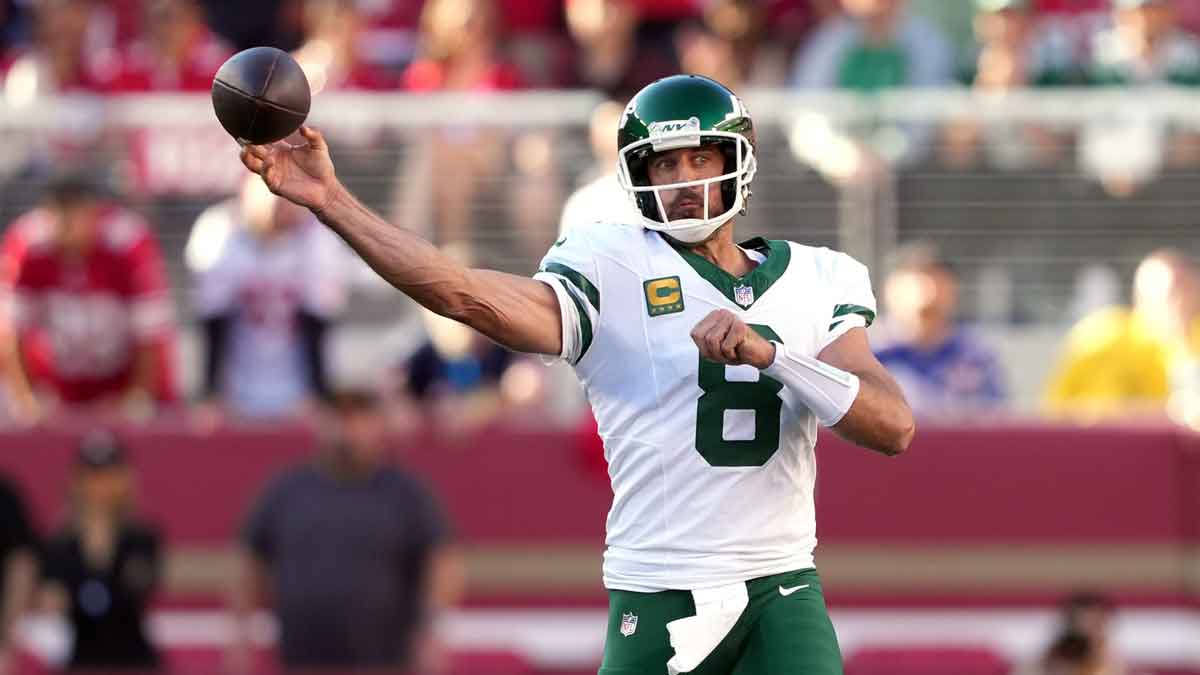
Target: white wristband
824 389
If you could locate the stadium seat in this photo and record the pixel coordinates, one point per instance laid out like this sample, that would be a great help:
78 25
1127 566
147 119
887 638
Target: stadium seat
932 660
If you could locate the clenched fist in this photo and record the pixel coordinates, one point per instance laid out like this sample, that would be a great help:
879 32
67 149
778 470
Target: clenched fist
724 338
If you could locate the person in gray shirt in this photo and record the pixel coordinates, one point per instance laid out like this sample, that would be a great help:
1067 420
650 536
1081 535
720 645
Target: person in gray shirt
355 554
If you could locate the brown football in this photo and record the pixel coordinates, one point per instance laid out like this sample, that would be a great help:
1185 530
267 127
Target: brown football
261 95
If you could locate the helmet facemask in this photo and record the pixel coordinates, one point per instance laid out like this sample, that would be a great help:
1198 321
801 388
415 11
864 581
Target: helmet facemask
740 165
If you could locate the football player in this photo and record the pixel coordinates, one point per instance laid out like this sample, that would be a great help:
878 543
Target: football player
708 364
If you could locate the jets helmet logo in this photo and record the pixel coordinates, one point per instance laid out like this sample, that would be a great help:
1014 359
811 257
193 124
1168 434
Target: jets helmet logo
670 134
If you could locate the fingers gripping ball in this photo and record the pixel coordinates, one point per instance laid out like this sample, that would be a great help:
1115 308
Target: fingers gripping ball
261 95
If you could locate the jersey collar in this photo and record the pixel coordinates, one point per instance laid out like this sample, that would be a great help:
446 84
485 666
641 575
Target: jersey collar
778 253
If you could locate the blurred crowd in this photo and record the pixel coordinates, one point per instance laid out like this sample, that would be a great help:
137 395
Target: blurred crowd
88 325
87 317
114 47
125 46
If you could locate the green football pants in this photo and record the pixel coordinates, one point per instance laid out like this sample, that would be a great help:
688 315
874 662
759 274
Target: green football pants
785 630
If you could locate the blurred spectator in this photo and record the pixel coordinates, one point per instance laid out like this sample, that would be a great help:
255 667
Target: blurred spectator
944 370
1136 361
67 54
1083 645
876 45
1072 654
789 23
85 313
1089 615
176 53
953 19
18 568
102 568
355 552
1145 45
601 198
269 285
1012 54
464 380
727 44
452 169
461 49
613 54
332 53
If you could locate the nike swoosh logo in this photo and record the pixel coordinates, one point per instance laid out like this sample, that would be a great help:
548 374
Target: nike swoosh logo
788 591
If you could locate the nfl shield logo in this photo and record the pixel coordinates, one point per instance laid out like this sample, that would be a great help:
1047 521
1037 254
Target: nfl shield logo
628 623
743 295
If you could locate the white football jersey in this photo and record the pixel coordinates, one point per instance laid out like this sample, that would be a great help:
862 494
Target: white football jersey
712 466
262 285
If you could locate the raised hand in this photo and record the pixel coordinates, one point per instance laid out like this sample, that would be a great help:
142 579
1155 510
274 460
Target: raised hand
302 174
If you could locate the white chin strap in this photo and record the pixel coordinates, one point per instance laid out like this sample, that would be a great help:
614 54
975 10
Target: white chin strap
690 230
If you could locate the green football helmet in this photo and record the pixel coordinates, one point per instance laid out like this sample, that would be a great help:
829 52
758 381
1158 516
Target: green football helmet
678 112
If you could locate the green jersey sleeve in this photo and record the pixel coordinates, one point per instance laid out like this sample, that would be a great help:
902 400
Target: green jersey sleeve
570 269
851 300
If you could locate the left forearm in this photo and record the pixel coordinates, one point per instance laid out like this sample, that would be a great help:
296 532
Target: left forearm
879 418
844 386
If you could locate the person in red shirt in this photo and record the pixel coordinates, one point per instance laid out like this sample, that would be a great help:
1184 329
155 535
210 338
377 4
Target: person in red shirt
461 49
616 50
334 53
177 53
68 54
85 312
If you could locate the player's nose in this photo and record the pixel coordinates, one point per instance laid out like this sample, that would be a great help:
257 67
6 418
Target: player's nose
687 172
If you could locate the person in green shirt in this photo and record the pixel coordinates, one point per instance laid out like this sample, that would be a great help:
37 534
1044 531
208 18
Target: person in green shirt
874 45
1014 50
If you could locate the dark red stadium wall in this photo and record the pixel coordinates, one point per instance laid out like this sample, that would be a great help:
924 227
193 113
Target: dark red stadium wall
999 485
987 513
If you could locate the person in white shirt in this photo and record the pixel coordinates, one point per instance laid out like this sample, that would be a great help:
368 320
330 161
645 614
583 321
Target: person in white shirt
268 286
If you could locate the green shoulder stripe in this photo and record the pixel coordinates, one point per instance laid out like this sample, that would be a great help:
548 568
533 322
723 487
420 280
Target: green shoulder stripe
585 323
846 310
581 282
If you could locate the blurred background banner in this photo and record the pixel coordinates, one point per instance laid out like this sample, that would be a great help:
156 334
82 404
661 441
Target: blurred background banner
193 371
